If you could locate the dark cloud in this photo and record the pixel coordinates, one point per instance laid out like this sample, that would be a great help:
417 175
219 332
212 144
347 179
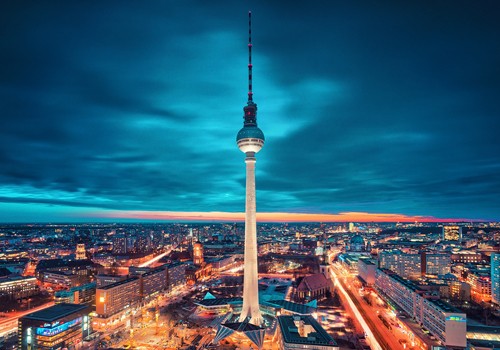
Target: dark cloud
370 107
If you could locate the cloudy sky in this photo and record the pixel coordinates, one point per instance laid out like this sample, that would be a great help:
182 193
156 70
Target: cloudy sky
128 108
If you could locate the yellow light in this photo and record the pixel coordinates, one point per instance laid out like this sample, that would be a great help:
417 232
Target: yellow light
101 299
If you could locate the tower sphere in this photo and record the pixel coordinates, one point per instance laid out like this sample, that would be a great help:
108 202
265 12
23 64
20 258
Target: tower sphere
250 139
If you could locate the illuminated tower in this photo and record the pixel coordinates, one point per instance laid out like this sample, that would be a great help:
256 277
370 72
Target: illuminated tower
250 140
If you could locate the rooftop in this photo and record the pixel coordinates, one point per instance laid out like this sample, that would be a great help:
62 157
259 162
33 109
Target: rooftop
290 332
55 312
113 285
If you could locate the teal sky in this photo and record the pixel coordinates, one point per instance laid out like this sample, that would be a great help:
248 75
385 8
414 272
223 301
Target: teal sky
387 107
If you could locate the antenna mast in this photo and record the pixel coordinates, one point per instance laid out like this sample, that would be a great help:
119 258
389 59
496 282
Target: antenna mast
250 93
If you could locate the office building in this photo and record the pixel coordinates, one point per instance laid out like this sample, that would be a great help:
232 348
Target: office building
446 323
435 263
153 282
17 287
113 298
57 327
495 278
366 270
176 275
404 264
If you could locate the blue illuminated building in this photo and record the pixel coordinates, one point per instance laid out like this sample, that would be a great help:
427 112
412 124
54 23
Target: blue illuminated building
59 326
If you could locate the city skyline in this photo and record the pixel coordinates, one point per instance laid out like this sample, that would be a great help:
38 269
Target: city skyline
381 112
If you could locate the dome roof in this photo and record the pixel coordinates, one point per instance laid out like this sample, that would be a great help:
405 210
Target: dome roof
250 132
357 239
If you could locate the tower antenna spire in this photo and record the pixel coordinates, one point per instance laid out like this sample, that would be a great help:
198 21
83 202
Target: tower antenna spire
250 93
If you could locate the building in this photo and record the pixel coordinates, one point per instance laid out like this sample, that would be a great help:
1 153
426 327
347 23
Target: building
250 140
80 252
452 233
104 280
63 279
435 263
120 244
463 257
404 264
84 294
357 244
446 323
76 267
17 287
153 281
57 327
302 332
115 297
495 278
176 275
480 282
366 271
198 258
313 287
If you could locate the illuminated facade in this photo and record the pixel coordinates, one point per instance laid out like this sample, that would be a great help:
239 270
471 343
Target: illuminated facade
495 278
18 287
198 258
57 327
405 265
80 251
116 297
435 263
153 281
480 283
452 233
446 323
250 140
176 275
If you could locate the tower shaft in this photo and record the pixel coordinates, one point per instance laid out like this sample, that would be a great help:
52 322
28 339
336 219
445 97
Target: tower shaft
251 277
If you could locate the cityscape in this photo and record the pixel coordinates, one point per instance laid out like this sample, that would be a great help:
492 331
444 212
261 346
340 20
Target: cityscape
320 286
129 219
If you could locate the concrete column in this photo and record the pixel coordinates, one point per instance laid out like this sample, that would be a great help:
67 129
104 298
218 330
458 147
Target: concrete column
251 277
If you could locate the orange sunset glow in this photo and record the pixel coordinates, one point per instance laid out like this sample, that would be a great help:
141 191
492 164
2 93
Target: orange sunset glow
269 217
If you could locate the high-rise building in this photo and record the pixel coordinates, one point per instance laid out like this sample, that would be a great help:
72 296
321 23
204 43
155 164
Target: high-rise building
120 244
495 278
250 140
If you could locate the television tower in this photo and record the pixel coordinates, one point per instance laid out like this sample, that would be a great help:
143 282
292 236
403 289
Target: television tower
250 140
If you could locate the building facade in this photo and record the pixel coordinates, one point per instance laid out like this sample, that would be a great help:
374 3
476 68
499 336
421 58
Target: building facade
57 327
495 278
405 265
447 324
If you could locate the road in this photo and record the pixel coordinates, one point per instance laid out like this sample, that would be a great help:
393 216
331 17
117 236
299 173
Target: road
374 342
387 335
155 259
9 324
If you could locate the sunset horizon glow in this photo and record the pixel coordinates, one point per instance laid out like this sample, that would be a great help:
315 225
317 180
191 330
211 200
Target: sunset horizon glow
270 217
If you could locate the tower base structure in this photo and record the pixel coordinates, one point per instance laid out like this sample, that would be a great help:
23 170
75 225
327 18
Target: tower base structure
254 333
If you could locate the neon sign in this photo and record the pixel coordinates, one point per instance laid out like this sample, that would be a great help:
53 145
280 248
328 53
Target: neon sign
456 319
49 332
